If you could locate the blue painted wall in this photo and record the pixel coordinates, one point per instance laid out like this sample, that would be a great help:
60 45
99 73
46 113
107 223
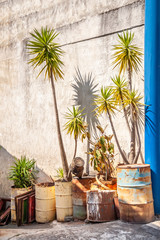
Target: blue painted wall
152 95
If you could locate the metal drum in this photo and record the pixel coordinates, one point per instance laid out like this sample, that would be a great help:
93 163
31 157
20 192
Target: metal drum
100 205
135 193
63 191
79 188
45 202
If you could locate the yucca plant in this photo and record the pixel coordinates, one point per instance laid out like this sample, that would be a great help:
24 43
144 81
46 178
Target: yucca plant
127 56
46 53
106 104
75 124
23 172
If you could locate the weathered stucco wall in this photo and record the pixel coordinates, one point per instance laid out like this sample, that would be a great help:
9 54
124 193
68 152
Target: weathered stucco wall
88 29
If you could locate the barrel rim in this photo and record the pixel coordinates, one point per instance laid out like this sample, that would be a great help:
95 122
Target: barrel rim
133 166
26 188
45 184
99 191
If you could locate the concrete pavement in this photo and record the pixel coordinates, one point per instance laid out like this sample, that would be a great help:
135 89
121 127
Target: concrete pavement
79 230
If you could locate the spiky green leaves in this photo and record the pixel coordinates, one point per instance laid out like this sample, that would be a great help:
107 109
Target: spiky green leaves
105 101
119 90
45 52
23 172
75 124
126 54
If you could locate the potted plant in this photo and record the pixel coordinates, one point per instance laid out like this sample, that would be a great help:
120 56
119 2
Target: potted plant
76 126
23 175
102 155
101 196
115 98
45 52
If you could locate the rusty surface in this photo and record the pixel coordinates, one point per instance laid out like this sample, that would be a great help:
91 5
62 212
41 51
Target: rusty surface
100 205
79 188
135 193
140 213
134 184
133 175
116 205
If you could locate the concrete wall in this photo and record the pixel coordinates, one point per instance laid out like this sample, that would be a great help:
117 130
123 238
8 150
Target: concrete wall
88 29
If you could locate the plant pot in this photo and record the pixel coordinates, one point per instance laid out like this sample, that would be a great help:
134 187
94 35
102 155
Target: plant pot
100 184
79 188
100 205
135 193
15 192
45 202
63 192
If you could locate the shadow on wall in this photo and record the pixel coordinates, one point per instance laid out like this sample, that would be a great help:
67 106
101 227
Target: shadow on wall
85 91
6 161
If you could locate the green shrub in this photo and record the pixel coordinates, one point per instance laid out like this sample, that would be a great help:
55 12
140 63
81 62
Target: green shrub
23 172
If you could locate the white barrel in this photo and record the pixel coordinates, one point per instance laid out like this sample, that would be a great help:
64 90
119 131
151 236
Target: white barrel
63 191
45 202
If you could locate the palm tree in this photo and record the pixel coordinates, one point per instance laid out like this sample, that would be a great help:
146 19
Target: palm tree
75 124
106 104
47 54
127 56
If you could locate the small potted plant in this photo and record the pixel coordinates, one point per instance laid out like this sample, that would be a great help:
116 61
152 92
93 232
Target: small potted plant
102 156
23 175
77 127
63 189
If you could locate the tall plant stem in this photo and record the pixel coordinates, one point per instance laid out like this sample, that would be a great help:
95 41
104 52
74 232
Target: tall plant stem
130 77
87 163
129 129
125 113
139 145
116 139
62 151
133 132
75 149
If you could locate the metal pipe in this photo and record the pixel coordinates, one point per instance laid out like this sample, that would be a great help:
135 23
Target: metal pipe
152 92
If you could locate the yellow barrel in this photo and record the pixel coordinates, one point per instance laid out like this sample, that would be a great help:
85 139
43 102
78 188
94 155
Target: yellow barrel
45 202
63 191
135 193
15 192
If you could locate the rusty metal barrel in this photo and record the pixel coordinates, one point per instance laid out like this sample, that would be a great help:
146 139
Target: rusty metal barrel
135 193
79 188
100 205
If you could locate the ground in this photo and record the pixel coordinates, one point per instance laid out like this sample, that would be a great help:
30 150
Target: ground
79 230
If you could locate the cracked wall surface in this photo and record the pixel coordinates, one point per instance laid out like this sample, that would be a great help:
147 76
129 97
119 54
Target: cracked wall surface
88 29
